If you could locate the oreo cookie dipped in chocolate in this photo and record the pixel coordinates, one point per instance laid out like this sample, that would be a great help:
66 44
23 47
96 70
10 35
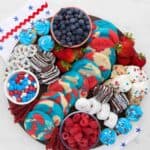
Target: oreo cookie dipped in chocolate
44 68
119 102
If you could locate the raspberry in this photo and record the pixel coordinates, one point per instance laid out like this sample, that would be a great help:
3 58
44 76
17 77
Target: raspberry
65 135
78 137
70 140
93 124
84 122
83 142
84 116
75 130
87 131
76 118
69 122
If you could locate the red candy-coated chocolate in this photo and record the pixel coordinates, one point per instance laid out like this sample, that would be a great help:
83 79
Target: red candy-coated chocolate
31 78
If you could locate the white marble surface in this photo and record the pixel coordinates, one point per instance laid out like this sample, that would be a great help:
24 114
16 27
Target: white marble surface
128 15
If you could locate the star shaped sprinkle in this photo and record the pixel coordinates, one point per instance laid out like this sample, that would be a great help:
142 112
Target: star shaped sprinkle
1 30
1 48
138 130
47 12
16 18
30 7
123 144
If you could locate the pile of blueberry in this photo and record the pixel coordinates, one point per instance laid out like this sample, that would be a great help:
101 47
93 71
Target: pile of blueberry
71 26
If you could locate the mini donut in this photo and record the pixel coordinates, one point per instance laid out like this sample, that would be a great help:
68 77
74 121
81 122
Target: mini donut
111 121
82 104
103 114
39 125
95 106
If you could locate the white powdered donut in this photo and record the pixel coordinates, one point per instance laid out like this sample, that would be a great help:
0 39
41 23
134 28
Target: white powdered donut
83 104
104 113
111 121
95 106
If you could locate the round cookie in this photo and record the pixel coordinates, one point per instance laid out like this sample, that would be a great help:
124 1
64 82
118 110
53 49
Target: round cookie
102 61
87 68
38 125
73 77
118 70
105 24
57 97
52 109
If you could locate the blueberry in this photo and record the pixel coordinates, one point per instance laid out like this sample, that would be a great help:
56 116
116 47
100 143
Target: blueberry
68 39
88 27
70 43
69 34
59 18
69 12
79 31
62 27
81 22
72 38
72 27
77 25
86 34
57 33
63 42
64 31
54 26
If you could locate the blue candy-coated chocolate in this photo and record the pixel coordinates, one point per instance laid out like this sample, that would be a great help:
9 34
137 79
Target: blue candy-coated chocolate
108 136
105 24
123 126
82 64
73 77
39 125
134 112
27 37
42 27
46 43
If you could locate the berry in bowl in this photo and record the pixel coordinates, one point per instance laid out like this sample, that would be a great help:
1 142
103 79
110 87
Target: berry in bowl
21 87
79 131
71 27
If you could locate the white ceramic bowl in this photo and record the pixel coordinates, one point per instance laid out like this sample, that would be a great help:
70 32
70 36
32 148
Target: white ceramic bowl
6 87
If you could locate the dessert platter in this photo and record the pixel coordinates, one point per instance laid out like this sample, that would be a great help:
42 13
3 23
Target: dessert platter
75 82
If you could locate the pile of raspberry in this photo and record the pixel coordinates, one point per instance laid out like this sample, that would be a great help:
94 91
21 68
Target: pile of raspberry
80 131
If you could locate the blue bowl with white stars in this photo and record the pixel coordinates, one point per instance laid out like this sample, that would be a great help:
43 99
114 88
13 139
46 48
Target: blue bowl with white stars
21 87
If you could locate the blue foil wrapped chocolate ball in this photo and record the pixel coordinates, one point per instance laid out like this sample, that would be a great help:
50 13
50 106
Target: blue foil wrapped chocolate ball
42 27
46 43
108 136
27 37
123 126
134 112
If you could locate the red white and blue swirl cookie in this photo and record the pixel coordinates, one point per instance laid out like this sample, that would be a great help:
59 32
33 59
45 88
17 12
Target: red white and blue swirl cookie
39 125
51 108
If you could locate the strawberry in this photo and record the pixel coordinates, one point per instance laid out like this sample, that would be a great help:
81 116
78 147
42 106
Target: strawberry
66 54
139 60
128 37
113 36
100 43
124 60
79 53
63 66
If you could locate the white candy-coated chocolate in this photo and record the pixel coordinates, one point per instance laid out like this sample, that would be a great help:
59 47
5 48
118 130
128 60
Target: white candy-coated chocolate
111 121
95 106
103 114
83 104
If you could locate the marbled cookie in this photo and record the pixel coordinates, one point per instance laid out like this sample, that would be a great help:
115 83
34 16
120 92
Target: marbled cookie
119 102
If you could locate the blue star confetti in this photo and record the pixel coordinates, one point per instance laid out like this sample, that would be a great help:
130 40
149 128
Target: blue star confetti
16 18
123 144
16 37
47 12
138 130
1 48
30 7
1 30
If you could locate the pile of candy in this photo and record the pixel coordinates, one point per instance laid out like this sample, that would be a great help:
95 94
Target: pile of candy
71 27
102 82
80 131
22 87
